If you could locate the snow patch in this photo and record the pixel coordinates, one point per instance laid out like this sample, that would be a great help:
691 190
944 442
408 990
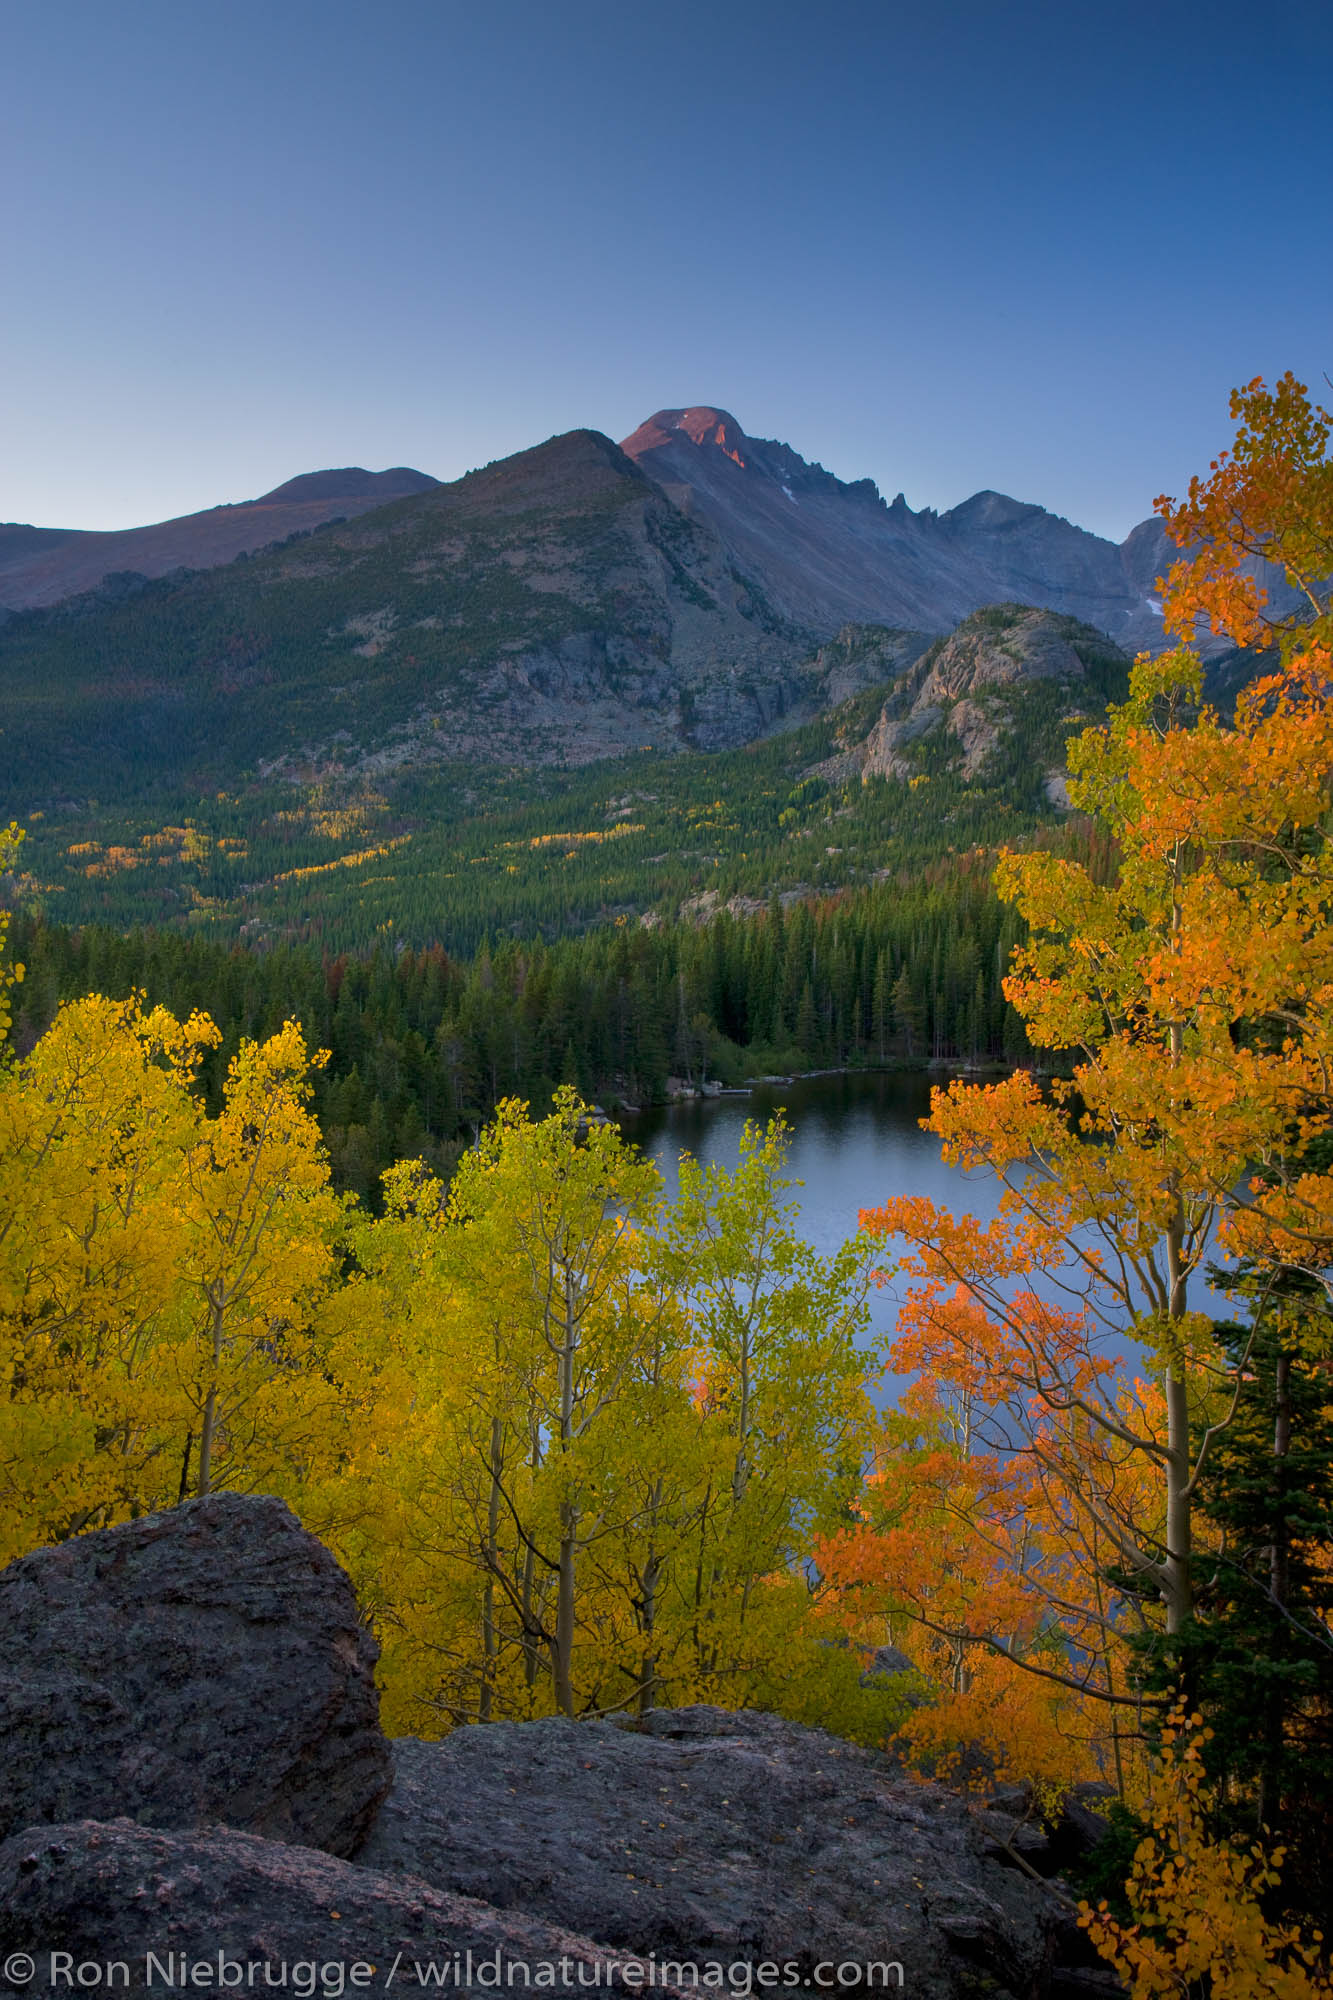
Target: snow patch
791 496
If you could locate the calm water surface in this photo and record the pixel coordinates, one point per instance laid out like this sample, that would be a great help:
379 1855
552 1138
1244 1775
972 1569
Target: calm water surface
855 1141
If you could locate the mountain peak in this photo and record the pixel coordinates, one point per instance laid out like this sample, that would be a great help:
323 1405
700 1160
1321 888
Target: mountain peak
701 423
989 510
828 552
351 482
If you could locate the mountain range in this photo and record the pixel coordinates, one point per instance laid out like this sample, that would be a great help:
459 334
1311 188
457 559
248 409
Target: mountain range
826 551
694 588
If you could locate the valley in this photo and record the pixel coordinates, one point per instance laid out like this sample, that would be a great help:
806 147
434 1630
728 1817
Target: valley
559 773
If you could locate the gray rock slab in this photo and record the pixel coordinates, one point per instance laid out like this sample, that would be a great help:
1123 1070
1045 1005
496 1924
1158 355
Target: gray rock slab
710 1835
116 1892
202 1664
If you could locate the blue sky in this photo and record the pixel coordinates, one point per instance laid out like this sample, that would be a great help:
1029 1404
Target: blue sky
1027 246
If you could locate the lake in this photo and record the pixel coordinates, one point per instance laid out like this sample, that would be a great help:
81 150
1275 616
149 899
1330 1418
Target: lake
856 1140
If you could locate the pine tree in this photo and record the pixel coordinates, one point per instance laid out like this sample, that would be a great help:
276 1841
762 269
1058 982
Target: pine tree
1257 1656
907 1011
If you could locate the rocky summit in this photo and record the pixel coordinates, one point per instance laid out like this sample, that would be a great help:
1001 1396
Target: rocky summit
192 1684
828 551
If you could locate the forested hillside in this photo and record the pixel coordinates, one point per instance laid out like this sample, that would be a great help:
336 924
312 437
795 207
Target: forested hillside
938 756
422 1046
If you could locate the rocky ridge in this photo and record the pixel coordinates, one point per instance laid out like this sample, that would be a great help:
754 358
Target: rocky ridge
553 608
715 1842
573 602
828 551
1009 679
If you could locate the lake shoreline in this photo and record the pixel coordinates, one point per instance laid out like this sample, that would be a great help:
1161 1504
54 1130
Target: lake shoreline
711 1090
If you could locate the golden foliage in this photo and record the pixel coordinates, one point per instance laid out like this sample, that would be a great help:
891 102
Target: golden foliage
1268 498
1198 1928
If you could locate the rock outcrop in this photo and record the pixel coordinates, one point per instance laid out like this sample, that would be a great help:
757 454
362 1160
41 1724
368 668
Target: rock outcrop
121 1891
193 1720
712 1836
203 1664
1007 671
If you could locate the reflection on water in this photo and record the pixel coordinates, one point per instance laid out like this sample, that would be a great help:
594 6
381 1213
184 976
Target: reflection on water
855 1141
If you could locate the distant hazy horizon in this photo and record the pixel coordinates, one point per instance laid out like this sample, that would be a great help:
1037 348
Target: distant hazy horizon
1029 249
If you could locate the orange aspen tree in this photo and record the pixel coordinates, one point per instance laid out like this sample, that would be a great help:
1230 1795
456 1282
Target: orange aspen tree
1266 500
1269 500
1200 1925
990 1570
1193 995
1119 1182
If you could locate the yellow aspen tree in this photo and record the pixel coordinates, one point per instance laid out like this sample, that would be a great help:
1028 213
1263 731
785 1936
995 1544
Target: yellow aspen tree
466 1600
93 1127
657 1467
782 1365
1198 1928
257 1220
561 1202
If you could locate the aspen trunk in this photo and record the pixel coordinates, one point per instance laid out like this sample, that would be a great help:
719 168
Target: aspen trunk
651 1572
531 1656
206 1443
1178 1582
1279 1584
1177 1569
1177 1585
562 1647
489 1638
217 1305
